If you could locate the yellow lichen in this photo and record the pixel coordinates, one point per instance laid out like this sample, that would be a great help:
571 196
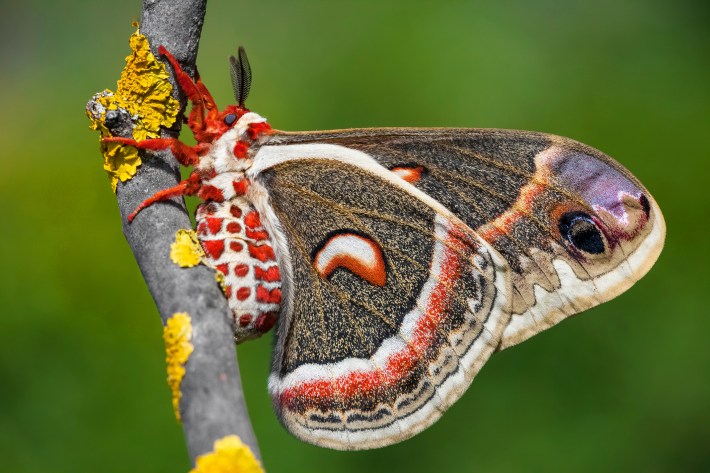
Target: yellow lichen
120 162
177 334
229 455
186 251
219 277
145 92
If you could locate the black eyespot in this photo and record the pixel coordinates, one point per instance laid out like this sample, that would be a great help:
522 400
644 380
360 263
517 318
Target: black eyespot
581 231
645 204
230 118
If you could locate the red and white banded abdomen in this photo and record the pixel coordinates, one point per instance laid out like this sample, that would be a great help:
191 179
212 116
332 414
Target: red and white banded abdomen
237 245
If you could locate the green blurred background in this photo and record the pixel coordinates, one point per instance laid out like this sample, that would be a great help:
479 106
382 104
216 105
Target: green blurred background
623 387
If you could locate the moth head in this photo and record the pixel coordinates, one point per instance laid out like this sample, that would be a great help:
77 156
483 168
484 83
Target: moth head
230 115
240 72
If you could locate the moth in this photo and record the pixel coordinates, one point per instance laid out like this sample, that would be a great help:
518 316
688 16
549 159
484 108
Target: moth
394 262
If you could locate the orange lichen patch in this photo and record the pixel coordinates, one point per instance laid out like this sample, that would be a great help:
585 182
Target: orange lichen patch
229 455
177 334
143 91
186 250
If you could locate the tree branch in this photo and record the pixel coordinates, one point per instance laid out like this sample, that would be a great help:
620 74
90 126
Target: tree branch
212 403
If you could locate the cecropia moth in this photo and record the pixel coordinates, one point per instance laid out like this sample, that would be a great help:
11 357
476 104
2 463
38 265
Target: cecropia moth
394 262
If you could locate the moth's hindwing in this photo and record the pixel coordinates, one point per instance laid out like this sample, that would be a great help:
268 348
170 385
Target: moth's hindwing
392 303
576 228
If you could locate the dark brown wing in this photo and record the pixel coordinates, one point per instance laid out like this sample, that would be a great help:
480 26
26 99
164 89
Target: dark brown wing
576 228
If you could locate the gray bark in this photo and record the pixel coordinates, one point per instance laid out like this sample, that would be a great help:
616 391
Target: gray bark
212 403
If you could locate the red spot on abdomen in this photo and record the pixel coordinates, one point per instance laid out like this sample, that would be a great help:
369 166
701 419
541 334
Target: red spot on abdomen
257 234
241 270
214 248
214 224
243 293
241 186
206 209
271 274
252 219
234 227
263 253
236 211
236 246
210 193
270 297
265 321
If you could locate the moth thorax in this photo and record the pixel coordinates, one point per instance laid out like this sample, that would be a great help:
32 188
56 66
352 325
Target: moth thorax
239 247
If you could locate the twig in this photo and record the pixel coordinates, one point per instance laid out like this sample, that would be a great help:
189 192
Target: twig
212 403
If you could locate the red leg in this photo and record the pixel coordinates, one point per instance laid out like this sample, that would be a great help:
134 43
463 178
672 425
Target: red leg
210 104
185 154
184 80
189 186
197 93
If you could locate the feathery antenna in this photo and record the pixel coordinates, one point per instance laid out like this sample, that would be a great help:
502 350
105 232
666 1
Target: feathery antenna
241 76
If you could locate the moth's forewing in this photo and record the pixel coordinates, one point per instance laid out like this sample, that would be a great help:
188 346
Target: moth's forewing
575 227
392 305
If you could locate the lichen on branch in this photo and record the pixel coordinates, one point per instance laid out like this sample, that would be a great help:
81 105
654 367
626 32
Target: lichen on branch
177 334
229 455
186 251
144 92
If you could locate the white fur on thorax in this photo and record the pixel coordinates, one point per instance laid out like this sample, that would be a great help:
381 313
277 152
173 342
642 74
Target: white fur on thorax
221 157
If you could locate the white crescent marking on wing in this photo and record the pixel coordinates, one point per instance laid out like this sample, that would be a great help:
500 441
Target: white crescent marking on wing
361 250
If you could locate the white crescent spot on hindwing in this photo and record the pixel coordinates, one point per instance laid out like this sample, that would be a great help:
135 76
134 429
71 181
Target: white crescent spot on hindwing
356 253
